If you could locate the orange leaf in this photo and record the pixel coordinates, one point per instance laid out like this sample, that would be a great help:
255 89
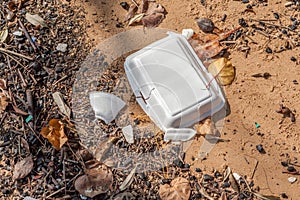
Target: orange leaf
4 100
55 134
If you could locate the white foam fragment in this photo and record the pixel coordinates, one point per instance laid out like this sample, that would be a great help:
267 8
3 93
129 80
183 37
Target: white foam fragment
179 134
128 134
187 33
106 106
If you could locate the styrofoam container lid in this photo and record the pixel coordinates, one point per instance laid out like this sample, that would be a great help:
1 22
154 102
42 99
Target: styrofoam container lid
168 77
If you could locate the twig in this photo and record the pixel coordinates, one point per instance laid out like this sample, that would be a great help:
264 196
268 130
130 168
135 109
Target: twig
61 79
135 3
27 35
15 53
254 170
5 114
22 78
263 33
54 193
29 102
292 173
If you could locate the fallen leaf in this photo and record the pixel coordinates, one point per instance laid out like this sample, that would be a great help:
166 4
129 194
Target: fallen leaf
2 84
36 20
95 181
25 144
207 50
103 148
128 180
153 20
19 111
223 69
136 19
179 189
57 96
131 12
144 6
23 168
54 132
205 127
4 100
3 35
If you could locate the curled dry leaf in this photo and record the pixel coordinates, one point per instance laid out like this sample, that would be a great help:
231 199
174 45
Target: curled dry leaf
54 132
96 180
223 69
23 168
153 20
286 112
179 189
35 20
205 127
102 150
3 35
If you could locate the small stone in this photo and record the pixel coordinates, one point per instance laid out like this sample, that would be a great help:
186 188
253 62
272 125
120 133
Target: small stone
293 59
291 169
178 163
206 25
292 179
207 177
245 1
186 165
292 27
243 23
269 50
124 5
283 31
285 164
198 170
59 69
61 47
249 6
276 15
226 184
283 195
260 148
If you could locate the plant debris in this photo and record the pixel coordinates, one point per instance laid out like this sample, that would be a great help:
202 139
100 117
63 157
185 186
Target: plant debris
23 168
223 70
286 112
55 133
179 189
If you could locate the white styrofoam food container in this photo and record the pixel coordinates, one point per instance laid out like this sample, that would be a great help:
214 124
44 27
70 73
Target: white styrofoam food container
171 84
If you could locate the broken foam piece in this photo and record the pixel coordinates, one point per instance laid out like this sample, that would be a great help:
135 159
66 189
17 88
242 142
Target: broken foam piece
128 134
106 106
179 134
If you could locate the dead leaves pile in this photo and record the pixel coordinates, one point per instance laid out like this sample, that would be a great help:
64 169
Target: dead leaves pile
179 189
148 13
55 133
4 97
208 47
97 180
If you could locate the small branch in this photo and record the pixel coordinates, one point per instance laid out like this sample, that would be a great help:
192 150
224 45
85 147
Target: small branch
254 170
27 34
15 53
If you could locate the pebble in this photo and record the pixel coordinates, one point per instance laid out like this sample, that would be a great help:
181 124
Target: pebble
285 164
226 184
124 5
245 1
292 179
207 177
269 50
293 59
186 165
291 169
198 170
260 148
283 195
61 47
206 25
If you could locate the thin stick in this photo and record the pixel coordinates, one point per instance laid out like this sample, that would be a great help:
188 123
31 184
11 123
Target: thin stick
61 79
54 193
135 3
254 170
15 53
27 34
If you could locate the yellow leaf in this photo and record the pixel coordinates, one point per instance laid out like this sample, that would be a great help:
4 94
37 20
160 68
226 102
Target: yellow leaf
222 69
55 134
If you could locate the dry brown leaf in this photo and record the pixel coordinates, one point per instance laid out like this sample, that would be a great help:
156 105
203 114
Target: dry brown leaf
2 84
57 96
36 20
128 180
207 50
23 168
136 19
153 20
101 152
131 12
179 189
223 69
144 6
4 100
205 127
96 181
54 132
25 144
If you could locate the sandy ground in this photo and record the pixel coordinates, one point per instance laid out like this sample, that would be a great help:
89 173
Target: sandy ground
251 99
